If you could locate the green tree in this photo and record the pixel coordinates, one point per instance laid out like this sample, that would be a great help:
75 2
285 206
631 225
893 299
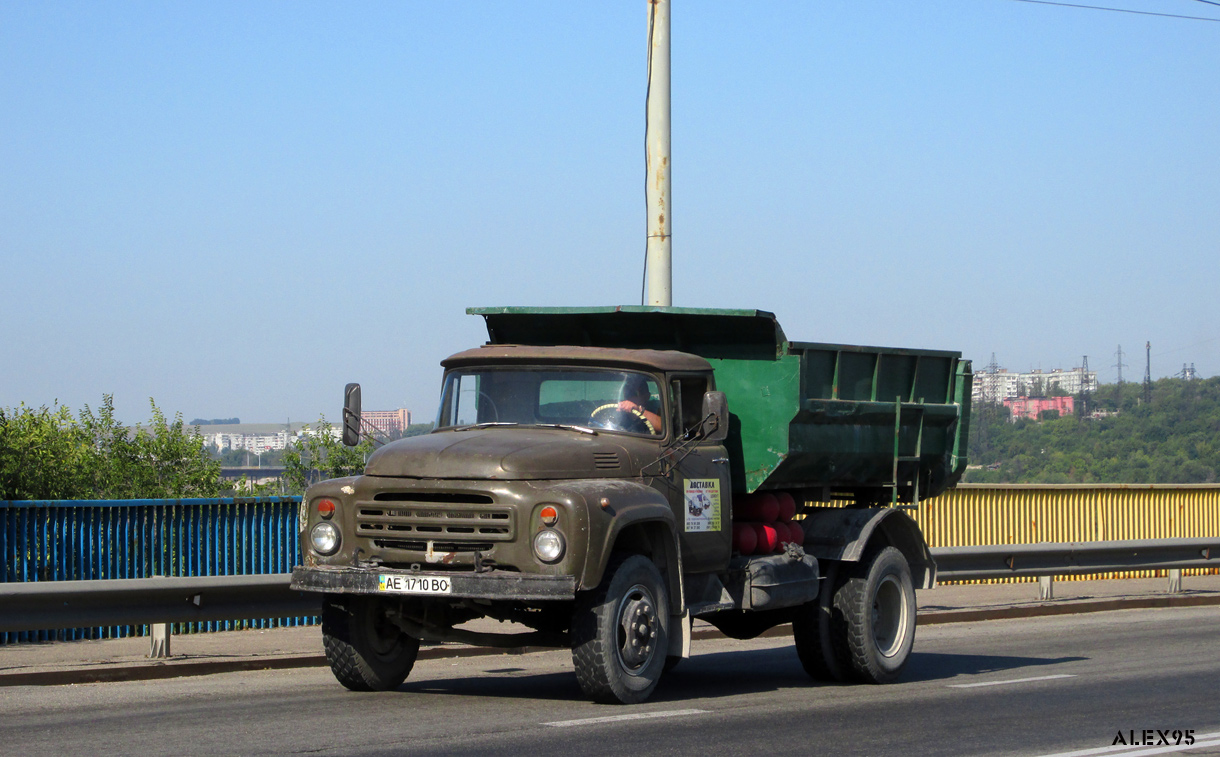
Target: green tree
170 462
415 429
318 455
47 454
44 454
1172 439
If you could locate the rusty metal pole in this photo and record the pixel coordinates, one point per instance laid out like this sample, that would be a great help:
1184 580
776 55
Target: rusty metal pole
658 266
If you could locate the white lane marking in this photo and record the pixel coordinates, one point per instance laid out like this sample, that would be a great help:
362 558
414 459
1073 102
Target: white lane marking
1125 750
632 716
1011 680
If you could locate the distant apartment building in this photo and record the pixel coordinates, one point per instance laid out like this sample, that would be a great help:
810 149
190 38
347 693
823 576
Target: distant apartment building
253 442
335 432
387 421
995 387
1033 407
264 437
1000 385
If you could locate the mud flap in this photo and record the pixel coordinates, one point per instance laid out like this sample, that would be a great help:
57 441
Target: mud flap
680 635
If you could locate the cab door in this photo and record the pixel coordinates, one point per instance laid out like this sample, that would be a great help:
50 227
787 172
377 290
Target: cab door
699 484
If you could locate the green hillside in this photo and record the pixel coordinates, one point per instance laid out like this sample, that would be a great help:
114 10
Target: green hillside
1173 439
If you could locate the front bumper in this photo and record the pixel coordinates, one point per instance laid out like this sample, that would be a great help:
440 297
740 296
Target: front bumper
491 585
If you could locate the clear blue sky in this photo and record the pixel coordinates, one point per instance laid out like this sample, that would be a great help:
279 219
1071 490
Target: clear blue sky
235 208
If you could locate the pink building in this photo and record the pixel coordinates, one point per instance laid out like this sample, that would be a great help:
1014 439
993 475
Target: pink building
1032 407
387 421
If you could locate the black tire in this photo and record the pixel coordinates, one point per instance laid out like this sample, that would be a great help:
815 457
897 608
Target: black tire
620 632
872 626
811 630
366 651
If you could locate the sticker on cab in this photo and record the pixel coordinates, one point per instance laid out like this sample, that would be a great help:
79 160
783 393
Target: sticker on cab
702 504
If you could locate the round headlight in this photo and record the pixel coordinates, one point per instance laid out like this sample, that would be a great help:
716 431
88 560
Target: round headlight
548 545
325 538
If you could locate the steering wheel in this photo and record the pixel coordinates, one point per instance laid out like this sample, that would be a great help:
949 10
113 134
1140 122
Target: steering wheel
614 417
485 397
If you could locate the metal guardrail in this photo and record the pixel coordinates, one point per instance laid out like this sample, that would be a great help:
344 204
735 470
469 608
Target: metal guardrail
68 604
138 601
1074 558
47 542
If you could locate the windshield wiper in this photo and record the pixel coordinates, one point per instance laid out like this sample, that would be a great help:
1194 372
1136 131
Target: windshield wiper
581 429
479 425
569 427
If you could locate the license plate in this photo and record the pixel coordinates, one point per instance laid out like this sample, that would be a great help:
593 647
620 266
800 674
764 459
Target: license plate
400 584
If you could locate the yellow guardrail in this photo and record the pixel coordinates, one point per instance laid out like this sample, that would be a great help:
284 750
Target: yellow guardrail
983 514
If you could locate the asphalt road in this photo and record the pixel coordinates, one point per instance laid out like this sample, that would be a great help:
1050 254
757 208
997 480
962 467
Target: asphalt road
1040 686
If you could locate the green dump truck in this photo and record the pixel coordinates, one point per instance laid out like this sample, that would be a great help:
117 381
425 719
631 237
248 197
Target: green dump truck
602 476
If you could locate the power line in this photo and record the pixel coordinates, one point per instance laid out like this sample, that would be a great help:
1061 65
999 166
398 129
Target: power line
1122 10
1196 344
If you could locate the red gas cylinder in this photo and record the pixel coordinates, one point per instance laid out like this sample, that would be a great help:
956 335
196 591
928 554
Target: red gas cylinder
796 532
745 540
742 504
787 505
760 507
781 528
768 538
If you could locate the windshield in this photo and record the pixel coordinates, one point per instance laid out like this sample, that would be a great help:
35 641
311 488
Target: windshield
623 401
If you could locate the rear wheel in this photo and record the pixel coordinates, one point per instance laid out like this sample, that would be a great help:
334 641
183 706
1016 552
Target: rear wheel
620 632
811 630
365 649
872 623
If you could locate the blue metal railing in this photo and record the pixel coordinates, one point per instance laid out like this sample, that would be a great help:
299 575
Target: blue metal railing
75 540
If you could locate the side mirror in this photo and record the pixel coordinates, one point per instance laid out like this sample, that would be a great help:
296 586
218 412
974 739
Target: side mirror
716 413
351 415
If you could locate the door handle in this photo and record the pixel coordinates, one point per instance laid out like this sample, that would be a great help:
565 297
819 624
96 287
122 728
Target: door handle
720 460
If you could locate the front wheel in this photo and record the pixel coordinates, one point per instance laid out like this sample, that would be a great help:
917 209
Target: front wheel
620 632
872 626
365 649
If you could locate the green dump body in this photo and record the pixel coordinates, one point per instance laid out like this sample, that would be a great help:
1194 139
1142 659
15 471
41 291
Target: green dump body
871 424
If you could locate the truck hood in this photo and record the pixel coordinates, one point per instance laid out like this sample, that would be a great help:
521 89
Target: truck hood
508 453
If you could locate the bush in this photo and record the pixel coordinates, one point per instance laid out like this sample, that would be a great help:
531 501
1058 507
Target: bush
45 453
318 455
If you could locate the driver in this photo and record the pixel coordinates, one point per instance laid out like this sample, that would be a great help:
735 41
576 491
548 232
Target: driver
635 400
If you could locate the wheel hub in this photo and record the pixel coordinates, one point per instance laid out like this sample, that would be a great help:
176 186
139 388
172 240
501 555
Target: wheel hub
637 629
888 617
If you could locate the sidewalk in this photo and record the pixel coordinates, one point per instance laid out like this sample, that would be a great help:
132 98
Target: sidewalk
201 654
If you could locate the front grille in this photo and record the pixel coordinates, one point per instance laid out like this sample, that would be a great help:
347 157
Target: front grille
440 498
420 523
422 546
